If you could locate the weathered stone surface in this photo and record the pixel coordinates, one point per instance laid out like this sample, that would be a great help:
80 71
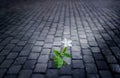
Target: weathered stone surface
31 29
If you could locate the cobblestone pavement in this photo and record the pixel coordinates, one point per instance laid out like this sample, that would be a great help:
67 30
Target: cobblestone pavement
31 29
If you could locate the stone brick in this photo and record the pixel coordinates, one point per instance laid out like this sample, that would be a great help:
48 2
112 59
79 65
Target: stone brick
36 49
88 59
93 76
33 56
41 68
14 69
47 46
86 51
102 65
95 49
29 64
66 70
45 51
77 73
6 63
115 68
17 48
65 76
98 57
21 43
9 46
29 34
77 64
24 53
51 64
39 43
43 58
52 73
91 68
5 52
1 59
76 48
105 74
76 55
20 60
111 59
37 76
12 56
2 72
25 74
11 76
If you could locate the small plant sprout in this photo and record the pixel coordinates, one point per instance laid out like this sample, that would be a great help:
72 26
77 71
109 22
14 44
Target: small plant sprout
58 57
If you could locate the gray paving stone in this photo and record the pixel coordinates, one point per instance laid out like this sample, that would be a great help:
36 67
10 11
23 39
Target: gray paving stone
76 55
88 59
41 68
9 46
39 43
45 51
51 65
57 43
65 76
12 56
76 48
1 59
115 68
20 60
5 52
29 33
95 49
6 64
24 53
111 59
91 68
28 47
11 76
43 58
17 49
77 64
77 73
14 41
52 73
105 74
29 64
93 44
36 49
14 69
33 56
21 43
25 74
47 46
117 75
86 51
102 65
98 57
2 72
85 45
1 47
37 76
66 70
93 76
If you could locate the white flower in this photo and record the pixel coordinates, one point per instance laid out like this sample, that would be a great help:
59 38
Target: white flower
67 42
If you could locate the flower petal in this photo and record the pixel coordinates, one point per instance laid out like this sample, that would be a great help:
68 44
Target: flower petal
70 44
69 41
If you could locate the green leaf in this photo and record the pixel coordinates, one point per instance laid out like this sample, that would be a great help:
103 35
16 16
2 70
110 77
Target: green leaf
57 53
67 55
58 61
64 63
64 50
